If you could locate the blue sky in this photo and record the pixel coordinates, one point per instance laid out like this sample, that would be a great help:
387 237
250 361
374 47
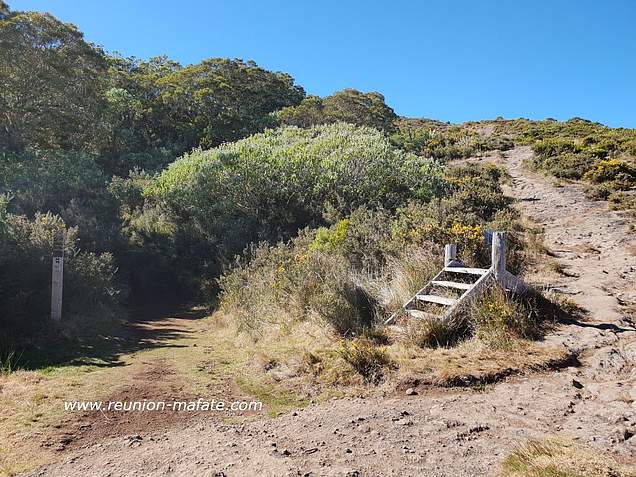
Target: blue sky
449 60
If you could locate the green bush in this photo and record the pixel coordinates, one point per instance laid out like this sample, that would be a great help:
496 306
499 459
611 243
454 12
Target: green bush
366 264
621 175
270 185
25 277
349 106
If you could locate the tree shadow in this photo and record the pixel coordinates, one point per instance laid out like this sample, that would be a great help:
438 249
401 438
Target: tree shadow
598 326
146 327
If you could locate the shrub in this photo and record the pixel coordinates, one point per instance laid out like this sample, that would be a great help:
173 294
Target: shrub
270 185
443 142
365 264
619 173
25 276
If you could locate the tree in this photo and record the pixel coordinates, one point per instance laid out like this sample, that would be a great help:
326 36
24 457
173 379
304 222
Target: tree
354 107
349 105
50 82
221 100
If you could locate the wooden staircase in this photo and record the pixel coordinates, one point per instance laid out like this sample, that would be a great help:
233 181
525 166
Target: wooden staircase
456 285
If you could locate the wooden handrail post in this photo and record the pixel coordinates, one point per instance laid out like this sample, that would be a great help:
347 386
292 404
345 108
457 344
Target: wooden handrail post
450 253
498 255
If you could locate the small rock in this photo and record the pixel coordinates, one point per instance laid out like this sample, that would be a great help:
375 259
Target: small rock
577 384
410 392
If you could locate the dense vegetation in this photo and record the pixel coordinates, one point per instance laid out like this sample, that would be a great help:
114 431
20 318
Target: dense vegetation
369 262
183 181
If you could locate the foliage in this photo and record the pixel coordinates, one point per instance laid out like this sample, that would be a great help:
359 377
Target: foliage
50 80
25 274
270 185
349 105
73 116
362 266
69 184
444 142
619 173
604 157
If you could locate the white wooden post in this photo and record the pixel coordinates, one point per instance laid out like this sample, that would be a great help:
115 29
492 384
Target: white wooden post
498 255
57 278
450 253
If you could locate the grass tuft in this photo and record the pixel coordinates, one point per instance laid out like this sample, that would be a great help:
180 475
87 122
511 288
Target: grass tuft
558 457
368 359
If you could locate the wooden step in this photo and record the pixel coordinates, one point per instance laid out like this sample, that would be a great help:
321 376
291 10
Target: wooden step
441 300
422 315
459 286
465 270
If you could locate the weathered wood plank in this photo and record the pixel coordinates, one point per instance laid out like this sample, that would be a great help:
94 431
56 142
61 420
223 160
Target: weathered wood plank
441 300
450 253
446 284
477 288
466 270
498 255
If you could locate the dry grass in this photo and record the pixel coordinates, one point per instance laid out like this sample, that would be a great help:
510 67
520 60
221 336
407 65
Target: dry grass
406 276
473 362
431 333
558 457
208 357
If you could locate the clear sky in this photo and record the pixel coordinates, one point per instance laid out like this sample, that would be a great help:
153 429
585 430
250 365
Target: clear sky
451 60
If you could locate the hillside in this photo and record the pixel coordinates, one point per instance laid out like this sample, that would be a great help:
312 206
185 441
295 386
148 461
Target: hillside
228 237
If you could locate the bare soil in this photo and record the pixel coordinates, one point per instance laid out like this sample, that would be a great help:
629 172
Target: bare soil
436 432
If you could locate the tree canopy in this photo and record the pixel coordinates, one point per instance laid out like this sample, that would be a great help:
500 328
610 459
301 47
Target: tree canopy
348 105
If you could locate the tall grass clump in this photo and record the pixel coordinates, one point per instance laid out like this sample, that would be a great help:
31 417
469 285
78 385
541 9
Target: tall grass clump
366 358
498 318
561 457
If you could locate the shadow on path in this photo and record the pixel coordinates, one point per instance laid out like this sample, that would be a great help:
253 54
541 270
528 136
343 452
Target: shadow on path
147 327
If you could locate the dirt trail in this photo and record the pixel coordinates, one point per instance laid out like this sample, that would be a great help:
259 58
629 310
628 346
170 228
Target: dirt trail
441 432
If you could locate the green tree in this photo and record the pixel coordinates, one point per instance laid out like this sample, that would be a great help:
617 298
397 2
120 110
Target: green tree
348 105
221 100
50 82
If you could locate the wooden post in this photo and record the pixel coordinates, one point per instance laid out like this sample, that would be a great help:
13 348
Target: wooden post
450 253
488 238
498 255
57 277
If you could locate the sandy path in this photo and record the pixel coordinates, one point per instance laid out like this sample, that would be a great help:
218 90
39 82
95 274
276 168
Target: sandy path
440 432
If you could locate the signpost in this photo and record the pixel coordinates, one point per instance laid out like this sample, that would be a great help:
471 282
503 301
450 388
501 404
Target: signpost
57 278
